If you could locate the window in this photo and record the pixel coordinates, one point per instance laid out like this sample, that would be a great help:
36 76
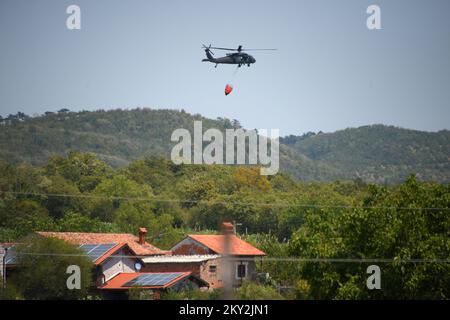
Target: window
241 270
212 269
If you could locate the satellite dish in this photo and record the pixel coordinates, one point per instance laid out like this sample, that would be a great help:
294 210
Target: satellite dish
138 266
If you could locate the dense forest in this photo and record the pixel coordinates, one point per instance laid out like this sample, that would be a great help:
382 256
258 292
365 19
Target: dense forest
293 221
376 154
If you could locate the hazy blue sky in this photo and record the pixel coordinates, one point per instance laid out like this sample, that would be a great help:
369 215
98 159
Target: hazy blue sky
330 72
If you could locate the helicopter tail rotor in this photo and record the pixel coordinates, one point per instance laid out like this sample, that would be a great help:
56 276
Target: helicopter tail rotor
208 49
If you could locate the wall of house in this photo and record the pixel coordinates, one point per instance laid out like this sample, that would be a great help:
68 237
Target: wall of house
116 264
251 269
213 278
202 270
172 267
216 279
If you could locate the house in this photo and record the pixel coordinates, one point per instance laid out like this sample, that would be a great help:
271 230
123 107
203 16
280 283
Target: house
125 261
8 262
111 253
213 252
118 260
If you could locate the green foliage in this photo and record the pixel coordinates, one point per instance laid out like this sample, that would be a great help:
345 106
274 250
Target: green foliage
140 294
9 235
162 232
55 186
350 290
302 290
377 153
381 154
253 291
191 294
113 193
283 273
282 217
117 136
44 263
392 226
76 222
24 215
9 292
83 169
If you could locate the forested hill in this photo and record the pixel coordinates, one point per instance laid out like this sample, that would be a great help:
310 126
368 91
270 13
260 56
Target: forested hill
379 153
374 153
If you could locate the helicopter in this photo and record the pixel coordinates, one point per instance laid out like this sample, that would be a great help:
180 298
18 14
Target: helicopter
238 57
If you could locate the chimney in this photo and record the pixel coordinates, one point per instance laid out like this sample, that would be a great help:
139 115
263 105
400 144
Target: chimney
142 234
227 228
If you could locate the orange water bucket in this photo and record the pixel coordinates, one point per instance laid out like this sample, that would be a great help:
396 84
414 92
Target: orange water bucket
228 89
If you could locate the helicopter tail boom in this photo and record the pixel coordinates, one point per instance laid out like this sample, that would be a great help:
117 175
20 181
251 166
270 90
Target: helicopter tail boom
208 55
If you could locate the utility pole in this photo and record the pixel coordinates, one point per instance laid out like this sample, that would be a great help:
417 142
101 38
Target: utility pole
235 224
4 252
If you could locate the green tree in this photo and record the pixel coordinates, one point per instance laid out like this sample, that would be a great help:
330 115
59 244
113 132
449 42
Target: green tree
76 222
9 292
130 216
60 196
191 294
252 291
44 263
24 215
111 193
285 273
82 169
393 223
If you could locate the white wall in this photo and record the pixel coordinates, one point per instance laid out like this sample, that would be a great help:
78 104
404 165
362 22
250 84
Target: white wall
114 265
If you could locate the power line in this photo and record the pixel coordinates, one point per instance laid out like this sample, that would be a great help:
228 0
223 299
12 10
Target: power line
279 204
265 259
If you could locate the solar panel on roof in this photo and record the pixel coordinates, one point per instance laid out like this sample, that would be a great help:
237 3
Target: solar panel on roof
95 251
88 247
153 279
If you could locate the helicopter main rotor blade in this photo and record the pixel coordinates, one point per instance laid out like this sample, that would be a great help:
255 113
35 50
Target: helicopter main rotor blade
241 49
258 49
238 49
228 49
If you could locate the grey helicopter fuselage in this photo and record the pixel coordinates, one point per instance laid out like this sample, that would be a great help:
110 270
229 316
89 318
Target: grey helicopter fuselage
239 58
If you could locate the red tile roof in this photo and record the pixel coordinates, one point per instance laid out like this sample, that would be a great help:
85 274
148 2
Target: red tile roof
238 247
7 244
96 238
118 282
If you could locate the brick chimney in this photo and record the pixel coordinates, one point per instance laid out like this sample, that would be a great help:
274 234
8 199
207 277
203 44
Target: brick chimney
227 228
142 234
